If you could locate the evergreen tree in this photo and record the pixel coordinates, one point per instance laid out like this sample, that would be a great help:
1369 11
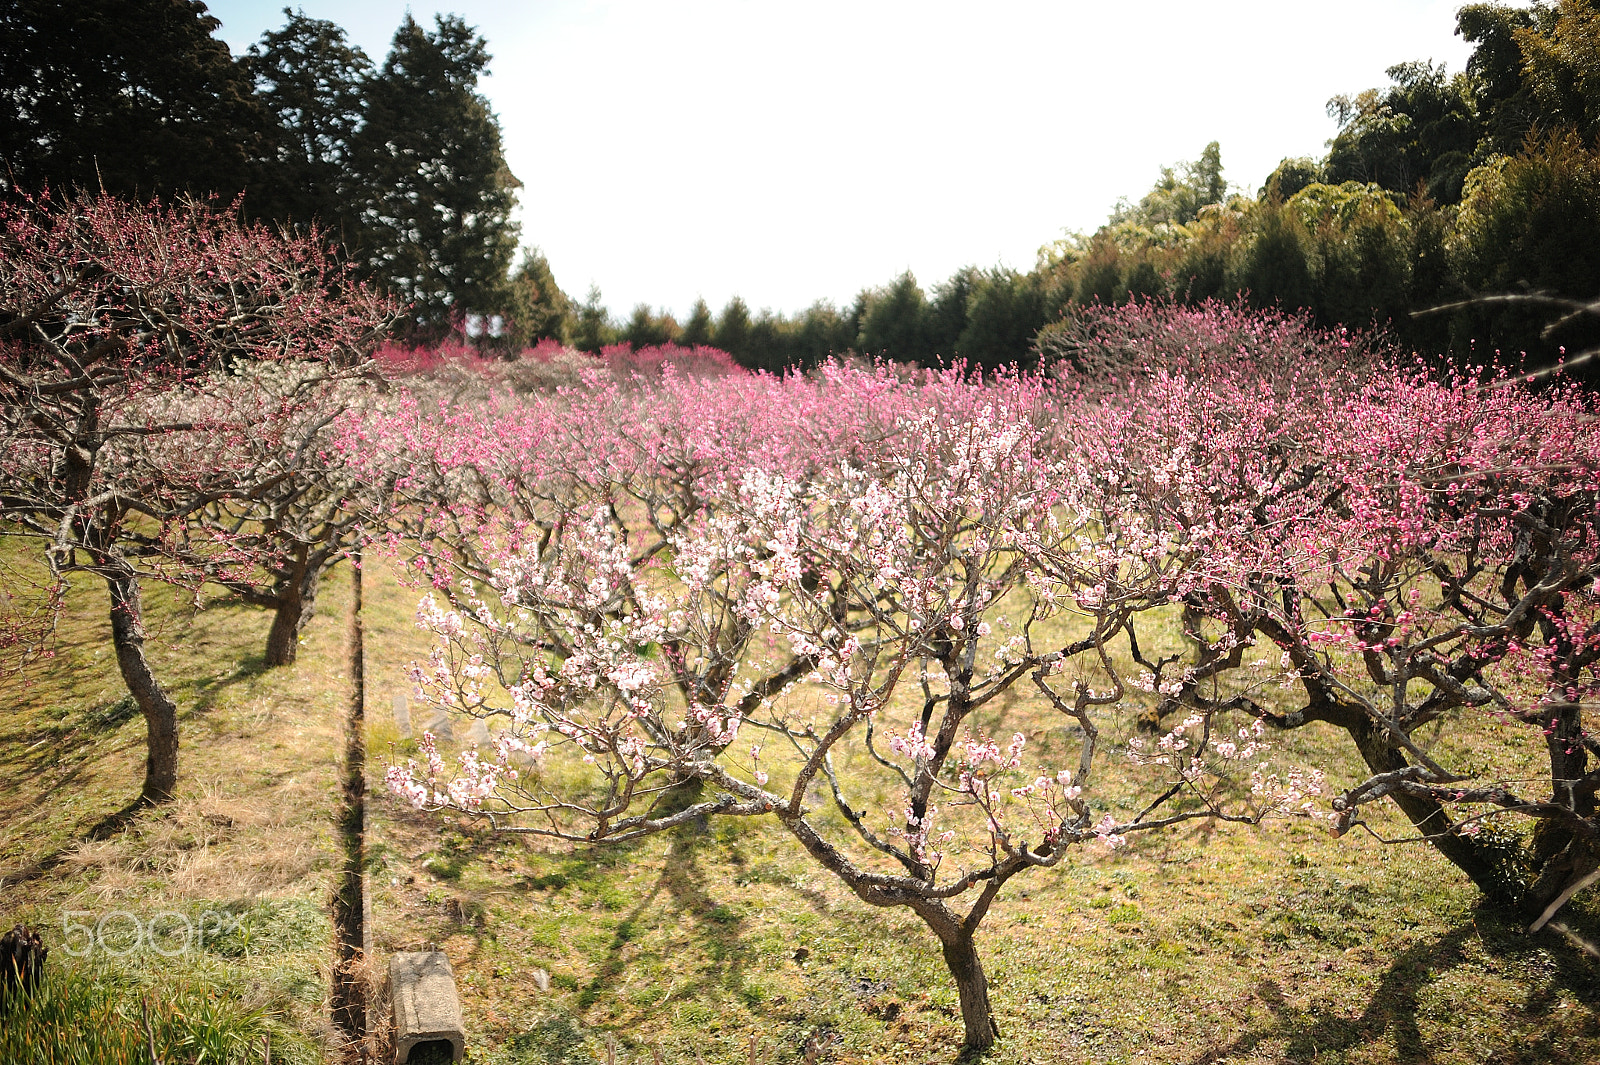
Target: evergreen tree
591 329
135 97
733 330
947 311
821 331
1531 223
538 309
768 345
698 329
436 208
1561 64
310 80
646 329
1004 311
1272 267
1503 97
894 321
1422 129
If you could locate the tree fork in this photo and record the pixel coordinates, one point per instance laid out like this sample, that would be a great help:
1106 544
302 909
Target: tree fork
293 610
972 988
1429 818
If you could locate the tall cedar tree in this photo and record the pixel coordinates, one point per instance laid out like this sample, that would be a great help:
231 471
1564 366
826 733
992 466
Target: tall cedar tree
133 97
437 199
539 310
310 79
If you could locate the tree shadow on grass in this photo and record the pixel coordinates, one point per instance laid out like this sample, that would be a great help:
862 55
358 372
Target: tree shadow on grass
59 753
1391 1012
717 926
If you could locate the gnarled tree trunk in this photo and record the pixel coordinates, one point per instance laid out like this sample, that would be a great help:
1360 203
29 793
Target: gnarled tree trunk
292 609
1430 818
160 712
957 939
972 986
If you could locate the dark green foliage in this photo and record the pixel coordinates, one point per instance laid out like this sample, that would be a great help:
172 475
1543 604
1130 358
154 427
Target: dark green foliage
1272 265
1420 131
1356 250
1142 281
1505 104
697 330
310 80
591 329
1004 311
1530 224
893 321
946 317
1202 271
1561 65
538 309
1290 177
437 195
733 329
1535 68
135 97
1428 230
766 346
646 329
820 332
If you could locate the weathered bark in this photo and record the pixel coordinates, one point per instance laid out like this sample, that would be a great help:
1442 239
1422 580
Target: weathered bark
293 609
972 986
160 712
1560 856
957 939
1431 819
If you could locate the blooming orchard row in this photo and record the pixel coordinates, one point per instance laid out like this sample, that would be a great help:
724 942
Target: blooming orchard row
165 377
802 598
820 599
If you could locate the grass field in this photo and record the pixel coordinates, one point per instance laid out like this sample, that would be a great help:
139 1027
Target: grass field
1201 945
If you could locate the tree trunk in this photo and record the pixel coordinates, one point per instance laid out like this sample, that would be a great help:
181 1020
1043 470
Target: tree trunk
160 712
295 608
1432 821
977 1016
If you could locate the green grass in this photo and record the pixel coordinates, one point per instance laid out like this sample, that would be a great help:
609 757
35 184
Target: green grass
233 876
80 1016
1200 945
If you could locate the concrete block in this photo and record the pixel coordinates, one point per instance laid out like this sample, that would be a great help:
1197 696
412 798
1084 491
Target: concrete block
441 727
427 1011
402 715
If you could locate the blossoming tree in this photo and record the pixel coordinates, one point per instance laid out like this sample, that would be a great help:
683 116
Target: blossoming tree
126 405
881 599
1418 552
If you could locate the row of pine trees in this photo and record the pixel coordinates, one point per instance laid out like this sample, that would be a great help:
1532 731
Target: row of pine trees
1437 190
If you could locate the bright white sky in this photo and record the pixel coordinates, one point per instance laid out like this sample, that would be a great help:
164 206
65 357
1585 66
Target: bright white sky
790 152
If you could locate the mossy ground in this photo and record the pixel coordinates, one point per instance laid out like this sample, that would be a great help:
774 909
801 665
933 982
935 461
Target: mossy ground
1204 944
